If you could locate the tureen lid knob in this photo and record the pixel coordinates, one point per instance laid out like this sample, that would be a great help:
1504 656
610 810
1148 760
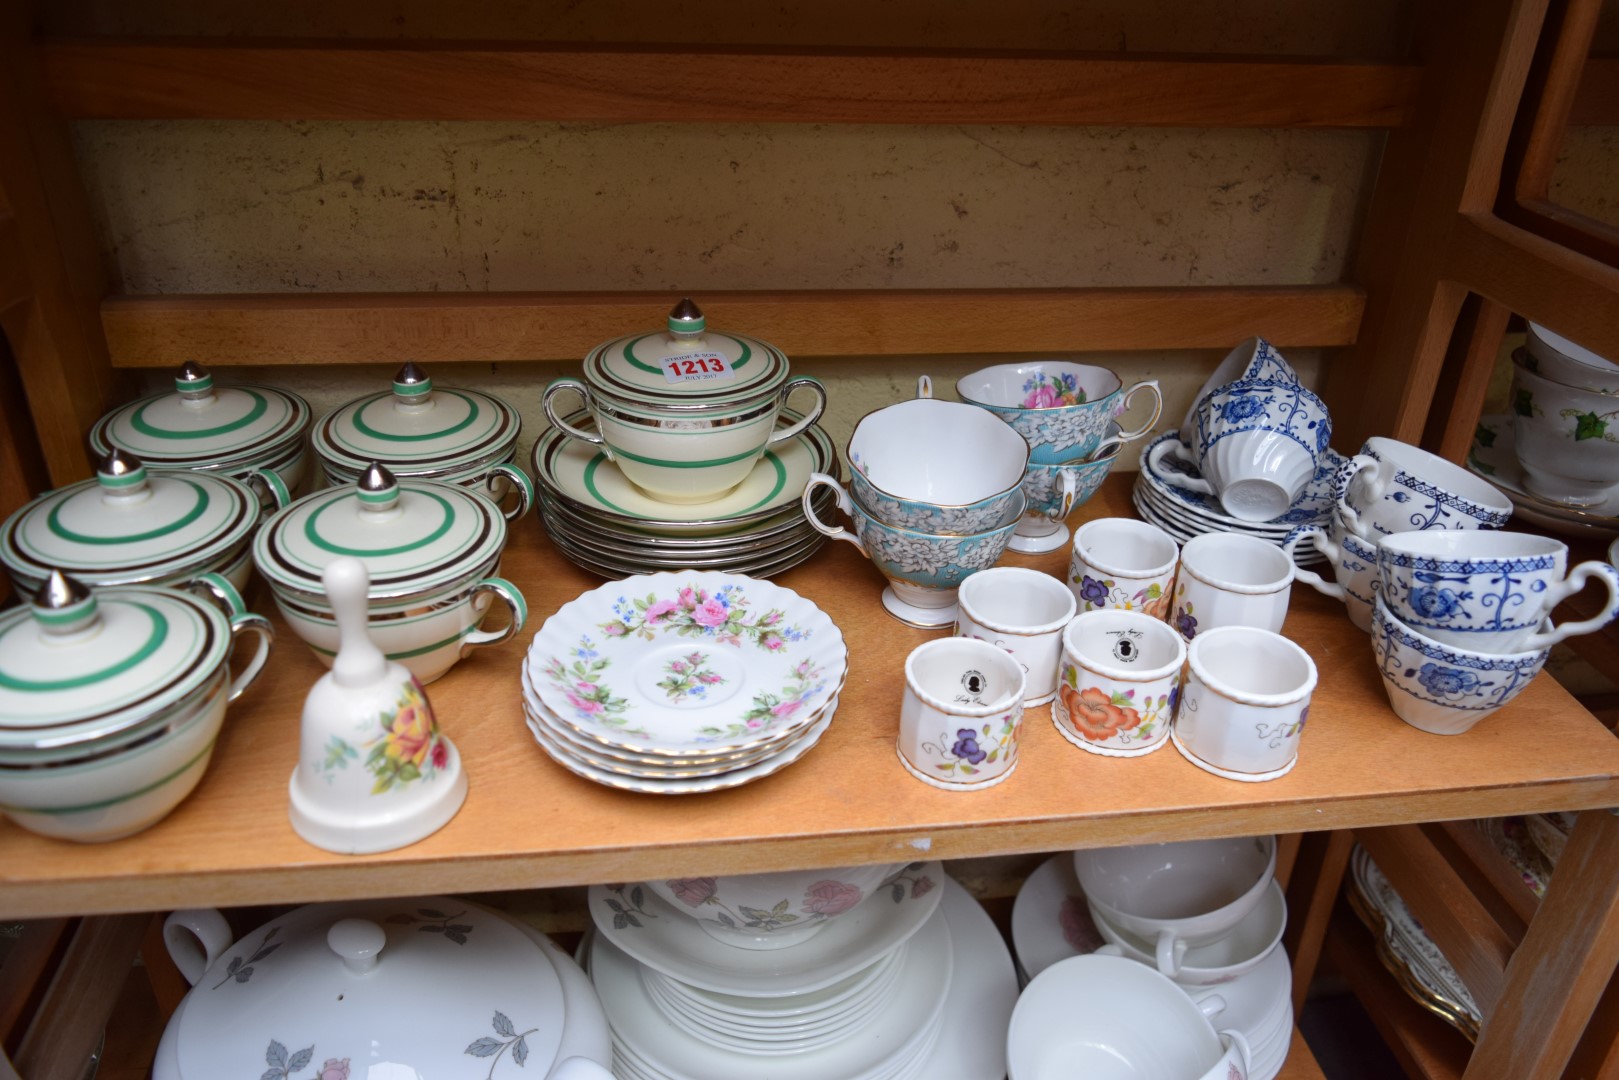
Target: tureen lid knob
412 386
194 381
358 942
63 604
687 318
378 488
121 473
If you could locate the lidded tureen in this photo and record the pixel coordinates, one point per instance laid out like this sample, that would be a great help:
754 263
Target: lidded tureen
110 701
131 525
432 551
450 434
230 430
686 411
432 988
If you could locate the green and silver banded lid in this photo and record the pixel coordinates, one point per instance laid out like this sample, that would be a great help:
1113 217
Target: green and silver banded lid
686 366
78 665
129 525
417 429
203 426
414 536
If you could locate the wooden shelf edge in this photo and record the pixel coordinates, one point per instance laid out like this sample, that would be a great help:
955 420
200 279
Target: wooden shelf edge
153 331
225 79
1301 1063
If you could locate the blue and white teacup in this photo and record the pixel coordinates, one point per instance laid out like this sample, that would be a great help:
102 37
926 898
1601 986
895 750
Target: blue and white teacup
1354 567
923 569
1441 689
1253 360
1257 444
1053 492
1488 591
1394 487
1064 410
936 466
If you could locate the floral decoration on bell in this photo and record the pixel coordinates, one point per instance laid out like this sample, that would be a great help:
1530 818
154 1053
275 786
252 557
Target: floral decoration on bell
693 612
409 748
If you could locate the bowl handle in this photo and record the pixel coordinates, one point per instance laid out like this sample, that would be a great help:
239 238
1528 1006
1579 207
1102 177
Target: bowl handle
1171 950
195 938
1154 462
1151 387
1606 575
836 532
520 480
514 600
273 484
558 386
1317 538
806 382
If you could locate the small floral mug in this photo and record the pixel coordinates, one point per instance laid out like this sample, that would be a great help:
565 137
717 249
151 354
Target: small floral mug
1119 683
1123 563
961 714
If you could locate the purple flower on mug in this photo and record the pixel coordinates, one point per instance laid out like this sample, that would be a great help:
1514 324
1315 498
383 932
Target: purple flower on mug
967 748
1186 623
1303 716
1092 591
1239 409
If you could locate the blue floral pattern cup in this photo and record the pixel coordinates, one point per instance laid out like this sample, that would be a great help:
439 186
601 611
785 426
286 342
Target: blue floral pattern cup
1487 591
1064 410
1394 487
1257 444
1440 689
1354 567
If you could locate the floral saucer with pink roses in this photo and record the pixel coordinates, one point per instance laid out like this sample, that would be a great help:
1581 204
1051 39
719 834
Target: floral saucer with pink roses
687 664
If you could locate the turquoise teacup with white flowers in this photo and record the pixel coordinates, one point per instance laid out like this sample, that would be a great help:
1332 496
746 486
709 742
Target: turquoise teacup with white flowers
1063 409
1053 492
1488 591
923 569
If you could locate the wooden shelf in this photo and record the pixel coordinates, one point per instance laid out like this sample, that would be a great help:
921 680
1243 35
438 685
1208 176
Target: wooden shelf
528 823
1300 1063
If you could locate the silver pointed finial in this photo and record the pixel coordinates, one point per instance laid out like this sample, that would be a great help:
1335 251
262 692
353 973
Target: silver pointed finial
192 372
410 374
687 318
60 591
377 478
412 385
120 462
194 382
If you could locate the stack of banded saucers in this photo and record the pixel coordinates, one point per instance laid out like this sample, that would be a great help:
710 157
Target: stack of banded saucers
603 522
684 454
861 973
683 683
1185 514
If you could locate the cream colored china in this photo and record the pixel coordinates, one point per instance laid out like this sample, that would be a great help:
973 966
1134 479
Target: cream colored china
1123 563
685 414
433 552
961 714
1227 580
1119 682
1024 612
1244 706
256 434
131 526
330 991
110 703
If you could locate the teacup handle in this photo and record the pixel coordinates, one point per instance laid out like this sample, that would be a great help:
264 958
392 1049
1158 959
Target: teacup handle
1172 446
1318 539
1171 951
559 386
836 532
514 600
1244 1051
520 480
1151 387
1376 484
1070 495
1210 1005
924 386
1566 588
801 382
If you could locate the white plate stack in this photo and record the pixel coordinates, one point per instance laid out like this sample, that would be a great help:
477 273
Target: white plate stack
912 983
1184 514
683 683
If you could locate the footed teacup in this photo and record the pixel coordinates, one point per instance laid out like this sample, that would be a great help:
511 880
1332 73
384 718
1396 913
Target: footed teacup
1064 410
1053 492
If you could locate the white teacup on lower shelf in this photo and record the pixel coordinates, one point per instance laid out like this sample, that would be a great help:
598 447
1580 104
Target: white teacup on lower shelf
1245 703
1236 954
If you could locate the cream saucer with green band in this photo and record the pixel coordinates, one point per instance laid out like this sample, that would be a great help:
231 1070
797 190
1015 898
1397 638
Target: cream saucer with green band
432 554
110 701
130 525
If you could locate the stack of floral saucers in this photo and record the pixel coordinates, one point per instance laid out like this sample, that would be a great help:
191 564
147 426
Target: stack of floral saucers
1185 514
882 975
604 523
678 684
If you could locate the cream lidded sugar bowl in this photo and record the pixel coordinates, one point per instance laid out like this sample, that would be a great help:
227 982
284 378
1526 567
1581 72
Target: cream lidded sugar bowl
131 526
685 413
433 554
421 432
420 988
111 700
253 433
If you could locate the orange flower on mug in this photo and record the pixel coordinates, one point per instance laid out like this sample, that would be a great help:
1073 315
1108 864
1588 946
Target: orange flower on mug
1095 715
